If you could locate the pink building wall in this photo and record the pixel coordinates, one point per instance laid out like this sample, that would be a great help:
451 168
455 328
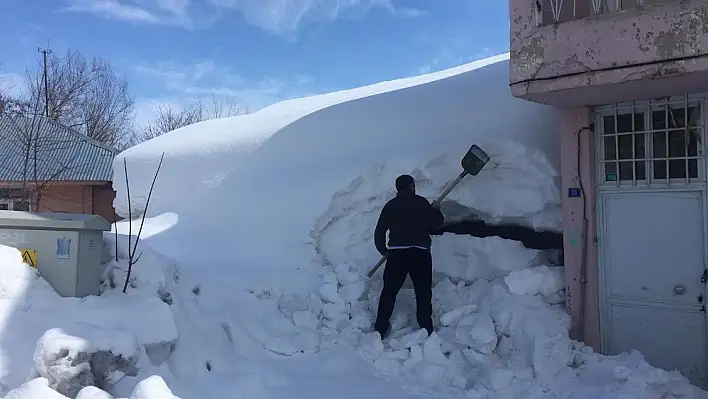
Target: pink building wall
575 122
609 57
659 50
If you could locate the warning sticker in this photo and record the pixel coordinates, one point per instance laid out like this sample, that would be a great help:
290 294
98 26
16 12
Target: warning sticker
29 256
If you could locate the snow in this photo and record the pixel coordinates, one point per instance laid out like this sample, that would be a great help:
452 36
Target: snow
38 325
251 281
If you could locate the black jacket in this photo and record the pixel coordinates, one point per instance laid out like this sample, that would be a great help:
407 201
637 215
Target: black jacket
410 220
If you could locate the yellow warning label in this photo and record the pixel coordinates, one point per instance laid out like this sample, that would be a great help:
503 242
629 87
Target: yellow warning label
29 256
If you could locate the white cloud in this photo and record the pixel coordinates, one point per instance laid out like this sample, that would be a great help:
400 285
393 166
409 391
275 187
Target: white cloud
445 59
409 12
282 17
159 12
13 84
286 16
448 49
204 80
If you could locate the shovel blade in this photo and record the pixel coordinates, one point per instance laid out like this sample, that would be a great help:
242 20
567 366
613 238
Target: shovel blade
474 160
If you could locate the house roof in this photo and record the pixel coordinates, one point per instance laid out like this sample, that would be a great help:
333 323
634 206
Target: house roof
62 153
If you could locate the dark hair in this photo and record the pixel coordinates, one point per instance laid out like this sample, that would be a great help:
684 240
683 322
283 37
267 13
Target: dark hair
404 182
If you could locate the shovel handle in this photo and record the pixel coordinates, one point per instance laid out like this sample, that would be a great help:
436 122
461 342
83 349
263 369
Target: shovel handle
376 266
449 188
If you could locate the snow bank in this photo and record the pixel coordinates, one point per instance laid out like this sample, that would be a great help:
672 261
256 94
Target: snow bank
68 334
87 356
233 199
153 387
37 388
491 341
519 185
254 195
501 330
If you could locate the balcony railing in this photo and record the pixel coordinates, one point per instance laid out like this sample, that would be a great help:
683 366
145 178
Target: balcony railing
557 11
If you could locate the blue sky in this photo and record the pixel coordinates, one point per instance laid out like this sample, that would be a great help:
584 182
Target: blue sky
255 51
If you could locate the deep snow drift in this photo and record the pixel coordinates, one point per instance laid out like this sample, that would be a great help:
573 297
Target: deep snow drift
49 341
265 177
269 217
263 226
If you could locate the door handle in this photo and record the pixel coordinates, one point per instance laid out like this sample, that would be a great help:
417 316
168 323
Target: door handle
679 290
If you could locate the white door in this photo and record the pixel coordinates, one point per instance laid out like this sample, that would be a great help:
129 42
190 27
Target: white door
653 283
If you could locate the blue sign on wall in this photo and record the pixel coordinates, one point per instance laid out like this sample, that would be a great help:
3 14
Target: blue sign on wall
574 192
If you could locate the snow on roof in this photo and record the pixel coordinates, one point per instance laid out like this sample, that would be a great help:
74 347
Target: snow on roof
250 129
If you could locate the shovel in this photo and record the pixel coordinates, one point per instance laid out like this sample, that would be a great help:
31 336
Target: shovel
472 163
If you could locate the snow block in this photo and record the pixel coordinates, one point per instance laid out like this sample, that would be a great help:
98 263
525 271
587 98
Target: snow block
153 387
371 346
409 340
35 388
92 392
452 316
305 319
329 293
477 331
85 356
541 280
353 292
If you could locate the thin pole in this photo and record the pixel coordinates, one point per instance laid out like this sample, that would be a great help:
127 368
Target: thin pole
46 80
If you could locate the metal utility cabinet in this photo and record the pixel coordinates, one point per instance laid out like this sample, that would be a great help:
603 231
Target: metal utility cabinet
66 248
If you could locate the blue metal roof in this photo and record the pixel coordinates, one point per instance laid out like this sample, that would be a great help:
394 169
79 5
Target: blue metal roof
30 144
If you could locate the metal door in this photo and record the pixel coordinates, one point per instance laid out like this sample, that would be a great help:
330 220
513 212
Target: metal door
653 260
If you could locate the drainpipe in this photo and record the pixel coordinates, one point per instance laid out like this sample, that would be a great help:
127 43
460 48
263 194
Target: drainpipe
583 239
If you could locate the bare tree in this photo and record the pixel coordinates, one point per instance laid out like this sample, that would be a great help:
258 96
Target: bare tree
220 108
171 117
86 95
4 88
168 118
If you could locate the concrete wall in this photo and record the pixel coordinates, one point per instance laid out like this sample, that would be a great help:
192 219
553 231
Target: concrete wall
575 122
648 46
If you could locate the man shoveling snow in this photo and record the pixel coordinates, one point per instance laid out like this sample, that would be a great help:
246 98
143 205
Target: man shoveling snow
410 219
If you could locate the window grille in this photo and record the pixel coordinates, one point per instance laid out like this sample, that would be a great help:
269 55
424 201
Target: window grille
556 11
652 142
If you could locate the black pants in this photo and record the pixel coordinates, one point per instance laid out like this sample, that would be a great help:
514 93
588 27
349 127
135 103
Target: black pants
400 263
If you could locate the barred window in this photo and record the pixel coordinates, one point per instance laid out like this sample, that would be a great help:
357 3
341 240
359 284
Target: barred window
652 141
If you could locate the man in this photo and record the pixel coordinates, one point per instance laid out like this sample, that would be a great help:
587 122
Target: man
410 220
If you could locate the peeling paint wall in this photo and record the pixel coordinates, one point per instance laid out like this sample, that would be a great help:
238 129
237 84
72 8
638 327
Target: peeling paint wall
643 44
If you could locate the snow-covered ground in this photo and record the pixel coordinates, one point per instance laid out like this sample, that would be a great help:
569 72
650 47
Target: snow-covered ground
259 236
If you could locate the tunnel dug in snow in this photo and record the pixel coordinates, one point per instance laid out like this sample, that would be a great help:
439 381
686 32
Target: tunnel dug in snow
550 242
488 216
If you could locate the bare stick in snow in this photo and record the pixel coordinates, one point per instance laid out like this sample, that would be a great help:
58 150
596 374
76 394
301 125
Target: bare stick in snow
132 248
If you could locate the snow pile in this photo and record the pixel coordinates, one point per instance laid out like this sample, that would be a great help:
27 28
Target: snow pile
89 356
489 343
153 387
518 185
246 192
73 342
37 388
500 329
302 151
430 110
